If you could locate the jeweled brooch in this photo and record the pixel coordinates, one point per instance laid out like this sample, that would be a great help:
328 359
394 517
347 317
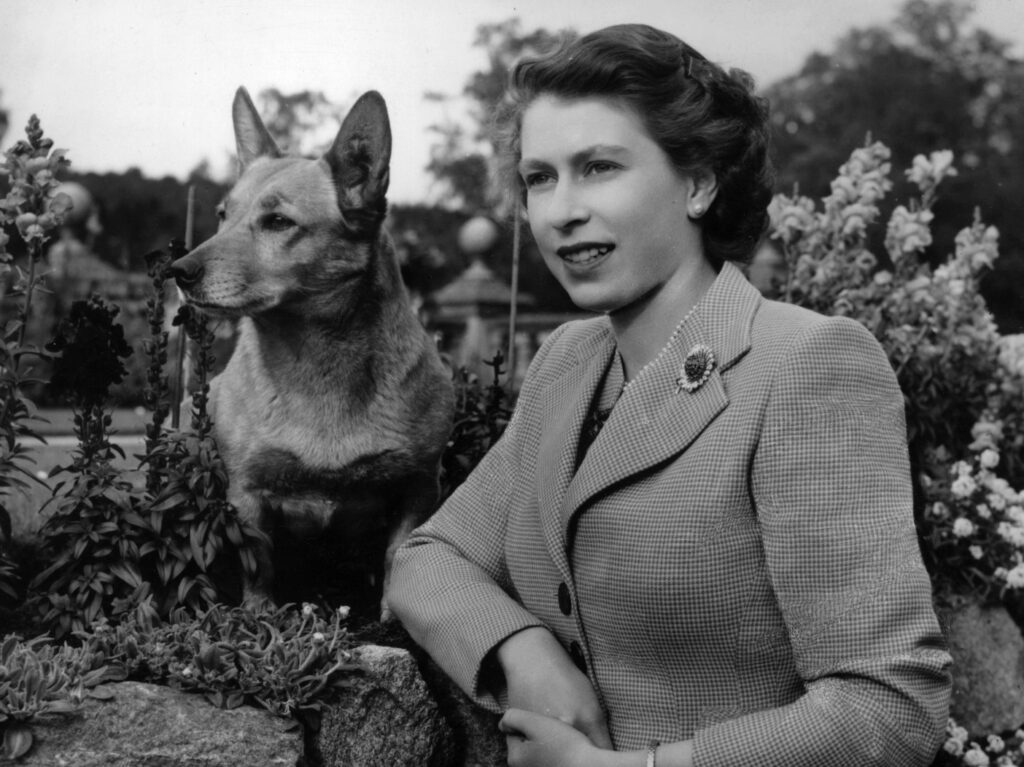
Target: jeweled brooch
696 368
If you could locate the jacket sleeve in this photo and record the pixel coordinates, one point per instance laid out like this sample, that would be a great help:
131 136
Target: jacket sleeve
449 582
831 483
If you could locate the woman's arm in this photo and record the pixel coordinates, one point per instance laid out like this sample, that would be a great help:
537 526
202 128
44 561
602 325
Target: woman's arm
451 588
832 487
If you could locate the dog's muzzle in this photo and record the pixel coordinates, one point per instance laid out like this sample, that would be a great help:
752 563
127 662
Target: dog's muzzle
186 271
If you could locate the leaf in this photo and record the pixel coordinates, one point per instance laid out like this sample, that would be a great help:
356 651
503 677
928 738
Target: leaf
17 740
103 692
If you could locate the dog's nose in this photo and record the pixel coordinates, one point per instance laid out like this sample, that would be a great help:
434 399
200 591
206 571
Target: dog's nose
186 271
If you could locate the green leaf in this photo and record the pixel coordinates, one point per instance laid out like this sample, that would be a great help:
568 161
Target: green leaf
17 740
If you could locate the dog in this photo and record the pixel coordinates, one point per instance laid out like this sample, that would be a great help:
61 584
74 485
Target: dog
334 408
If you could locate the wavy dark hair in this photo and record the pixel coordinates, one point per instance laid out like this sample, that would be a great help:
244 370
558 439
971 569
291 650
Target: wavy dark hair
704 117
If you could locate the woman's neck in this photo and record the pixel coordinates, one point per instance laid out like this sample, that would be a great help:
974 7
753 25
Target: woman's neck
643 329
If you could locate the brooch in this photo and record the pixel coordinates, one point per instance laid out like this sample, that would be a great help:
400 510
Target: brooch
696 368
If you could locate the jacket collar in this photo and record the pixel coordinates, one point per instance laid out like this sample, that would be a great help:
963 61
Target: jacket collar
651 422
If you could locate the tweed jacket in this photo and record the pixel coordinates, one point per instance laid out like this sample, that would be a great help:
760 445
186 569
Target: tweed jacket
737 564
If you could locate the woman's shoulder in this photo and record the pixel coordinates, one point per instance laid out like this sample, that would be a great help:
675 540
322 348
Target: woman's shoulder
779 323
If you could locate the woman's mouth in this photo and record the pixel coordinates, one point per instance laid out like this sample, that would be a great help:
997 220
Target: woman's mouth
584 253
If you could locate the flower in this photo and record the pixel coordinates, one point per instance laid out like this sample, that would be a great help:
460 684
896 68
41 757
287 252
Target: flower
983 511
963 486
318 637
963 527
940 510
953 746
343 612
1015 577
989 458
307 610
995 744
975 757
976 551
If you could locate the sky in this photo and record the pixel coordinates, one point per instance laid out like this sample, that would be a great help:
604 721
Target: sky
149 83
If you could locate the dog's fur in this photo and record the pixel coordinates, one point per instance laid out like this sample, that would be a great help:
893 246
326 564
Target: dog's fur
334 408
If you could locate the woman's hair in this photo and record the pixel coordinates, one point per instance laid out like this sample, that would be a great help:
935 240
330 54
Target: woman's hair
704 118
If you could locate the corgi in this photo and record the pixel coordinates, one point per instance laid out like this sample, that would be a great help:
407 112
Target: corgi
335 406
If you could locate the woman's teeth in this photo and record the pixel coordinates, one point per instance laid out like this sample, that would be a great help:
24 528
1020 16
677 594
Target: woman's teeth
588 254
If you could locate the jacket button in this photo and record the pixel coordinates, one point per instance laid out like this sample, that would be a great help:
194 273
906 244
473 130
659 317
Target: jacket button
576 653
564 600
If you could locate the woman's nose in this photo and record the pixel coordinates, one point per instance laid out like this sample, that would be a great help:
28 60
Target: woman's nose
567 207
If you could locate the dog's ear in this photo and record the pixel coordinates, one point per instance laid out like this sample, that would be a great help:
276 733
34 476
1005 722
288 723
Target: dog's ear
251 136
359 160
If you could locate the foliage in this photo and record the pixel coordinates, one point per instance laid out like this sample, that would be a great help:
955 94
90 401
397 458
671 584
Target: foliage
287 660
33 209
973 524
928 80
481 415
115 547
959 750
38 679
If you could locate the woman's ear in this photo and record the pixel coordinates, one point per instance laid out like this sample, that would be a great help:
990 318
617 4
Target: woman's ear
703 189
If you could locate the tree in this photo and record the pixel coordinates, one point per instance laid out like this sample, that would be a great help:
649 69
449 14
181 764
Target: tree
4 122
302 123
927 82
462 159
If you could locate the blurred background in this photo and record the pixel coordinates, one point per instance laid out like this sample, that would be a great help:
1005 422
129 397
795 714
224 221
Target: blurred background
140 94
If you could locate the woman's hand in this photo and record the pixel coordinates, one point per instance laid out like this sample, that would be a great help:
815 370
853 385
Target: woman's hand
535 740
541 677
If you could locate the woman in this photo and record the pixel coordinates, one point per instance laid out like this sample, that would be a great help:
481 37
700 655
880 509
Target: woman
694 543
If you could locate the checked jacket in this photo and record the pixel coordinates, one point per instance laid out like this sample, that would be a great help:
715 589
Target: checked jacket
737 564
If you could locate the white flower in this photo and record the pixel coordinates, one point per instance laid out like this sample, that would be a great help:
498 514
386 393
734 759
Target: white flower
1011 533
975 757
962 527
953 746
343 612
960 468
318 637
940 510
976 551
989 458
963 486
1015 577
1016 513
995 744
307 610
983 511
996 501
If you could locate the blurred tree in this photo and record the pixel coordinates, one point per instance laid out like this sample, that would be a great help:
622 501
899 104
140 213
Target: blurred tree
461 159
4 122
302 123
929 81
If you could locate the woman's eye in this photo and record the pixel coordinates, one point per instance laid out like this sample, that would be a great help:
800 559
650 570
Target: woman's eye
536 179
276 222
600 167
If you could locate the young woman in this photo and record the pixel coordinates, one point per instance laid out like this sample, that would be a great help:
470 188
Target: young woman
694 543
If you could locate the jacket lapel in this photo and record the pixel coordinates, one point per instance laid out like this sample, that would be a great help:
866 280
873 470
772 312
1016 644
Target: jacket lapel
652 422
564 406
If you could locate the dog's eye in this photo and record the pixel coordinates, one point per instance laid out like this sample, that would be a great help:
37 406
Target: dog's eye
222 212
276 222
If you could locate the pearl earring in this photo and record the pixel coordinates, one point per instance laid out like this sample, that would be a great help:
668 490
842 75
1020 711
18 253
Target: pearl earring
698 210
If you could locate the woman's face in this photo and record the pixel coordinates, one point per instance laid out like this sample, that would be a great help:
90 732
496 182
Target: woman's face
606 206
